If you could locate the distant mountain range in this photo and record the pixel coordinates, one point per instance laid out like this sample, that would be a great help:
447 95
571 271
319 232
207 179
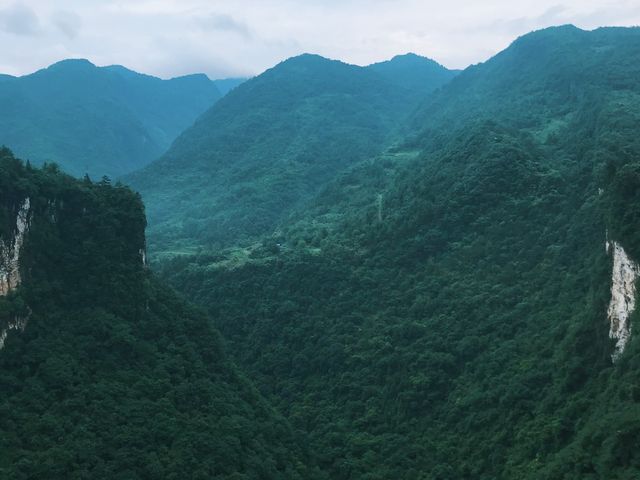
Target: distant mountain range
99 120
294 128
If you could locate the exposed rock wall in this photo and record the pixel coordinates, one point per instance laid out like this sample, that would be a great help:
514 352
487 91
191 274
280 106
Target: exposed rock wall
623 297
10 250
18 323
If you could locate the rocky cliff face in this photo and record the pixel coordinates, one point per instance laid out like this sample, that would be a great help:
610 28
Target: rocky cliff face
18 323
623 297
10 278
10 251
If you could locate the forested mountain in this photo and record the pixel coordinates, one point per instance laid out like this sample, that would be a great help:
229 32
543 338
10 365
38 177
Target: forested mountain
105 373
98 120
268 147
446 309
539 81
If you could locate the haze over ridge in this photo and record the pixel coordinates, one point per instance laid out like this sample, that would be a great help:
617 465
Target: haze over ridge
169 38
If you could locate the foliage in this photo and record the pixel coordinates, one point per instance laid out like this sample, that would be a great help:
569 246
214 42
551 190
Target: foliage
100 121
114 375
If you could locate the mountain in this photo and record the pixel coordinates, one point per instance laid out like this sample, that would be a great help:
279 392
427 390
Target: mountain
461 305
98 120
105 372
542 76
414 72
267 148
225 85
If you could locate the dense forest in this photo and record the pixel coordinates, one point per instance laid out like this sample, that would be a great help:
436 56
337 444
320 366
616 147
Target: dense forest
266 149
99 120
114 376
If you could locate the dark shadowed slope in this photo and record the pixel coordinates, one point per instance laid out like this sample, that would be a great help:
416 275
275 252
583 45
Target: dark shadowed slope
101 121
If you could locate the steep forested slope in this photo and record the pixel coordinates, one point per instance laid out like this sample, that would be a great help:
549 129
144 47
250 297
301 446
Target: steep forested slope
537 83
101 121
268 146
105 373
441 311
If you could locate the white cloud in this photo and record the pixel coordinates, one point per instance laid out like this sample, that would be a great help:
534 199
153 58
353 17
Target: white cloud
224 23
222 38
67 22
18 19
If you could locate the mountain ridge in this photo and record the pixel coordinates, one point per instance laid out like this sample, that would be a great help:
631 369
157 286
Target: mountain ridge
299 123
124 119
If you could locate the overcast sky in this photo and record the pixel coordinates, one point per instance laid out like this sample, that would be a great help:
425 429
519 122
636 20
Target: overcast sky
244 37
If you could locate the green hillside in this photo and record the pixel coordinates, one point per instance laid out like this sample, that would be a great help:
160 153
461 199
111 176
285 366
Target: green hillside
439 310
104 372
101 121
266 149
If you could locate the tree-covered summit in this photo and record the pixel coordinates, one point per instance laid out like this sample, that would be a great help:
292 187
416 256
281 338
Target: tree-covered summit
268 147
98 120
414 72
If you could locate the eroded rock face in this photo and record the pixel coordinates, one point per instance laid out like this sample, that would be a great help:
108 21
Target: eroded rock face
18 323
10 251
10 279
623 297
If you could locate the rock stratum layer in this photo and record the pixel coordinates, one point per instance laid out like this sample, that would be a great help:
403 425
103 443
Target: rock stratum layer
10 251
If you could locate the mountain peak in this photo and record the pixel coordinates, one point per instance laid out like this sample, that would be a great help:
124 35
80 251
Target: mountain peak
413 72
311 67
72 63
307 60
411 57
143 114
407 59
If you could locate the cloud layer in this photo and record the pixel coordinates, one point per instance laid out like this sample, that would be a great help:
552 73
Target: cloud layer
244 37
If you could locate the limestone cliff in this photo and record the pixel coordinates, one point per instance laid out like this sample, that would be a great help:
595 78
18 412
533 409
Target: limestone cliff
623 297
10 250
